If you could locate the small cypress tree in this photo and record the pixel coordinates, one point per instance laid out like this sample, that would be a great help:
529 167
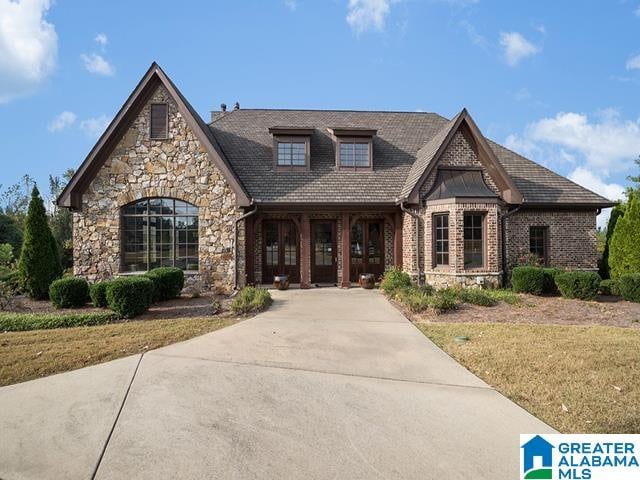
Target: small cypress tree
616 212
39 263
624 253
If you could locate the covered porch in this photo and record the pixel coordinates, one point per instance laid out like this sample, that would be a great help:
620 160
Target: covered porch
321 246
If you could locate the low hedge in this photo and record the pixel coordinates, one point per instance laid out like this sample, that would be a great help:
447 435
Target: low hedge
527 280
20 322
250 300
98 294
168 282
609 287
394 279
629 286
580 285
68 292
549 282
420 299
130 296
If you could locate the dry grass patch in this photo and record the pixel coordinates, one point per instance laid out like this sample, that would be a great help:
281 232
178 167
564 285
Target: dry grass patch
38 353
576 379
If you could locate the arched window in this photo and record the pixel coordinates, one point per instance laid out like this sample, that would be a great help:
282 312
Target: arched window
159 232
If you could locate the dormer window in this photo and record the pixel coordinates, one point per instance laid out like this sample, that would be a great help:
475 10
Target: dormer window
354 148
291 148
159 121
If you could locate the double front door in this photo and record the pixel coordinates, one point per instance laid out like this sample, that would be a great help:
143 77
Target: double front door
281 251
367 248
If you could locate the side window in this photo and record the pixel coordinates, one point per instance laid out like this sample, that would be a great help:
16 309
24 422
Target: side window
538 240
441 239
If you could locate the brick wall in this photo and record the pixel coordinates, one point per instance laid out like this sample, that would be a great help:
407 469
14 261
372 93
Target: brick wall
572 236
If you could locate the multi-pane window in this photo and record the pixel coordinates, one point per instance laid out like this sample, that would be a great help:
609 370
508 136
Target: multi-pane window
441 230
292 154
159 121
538 242
354 153
159 232
473 248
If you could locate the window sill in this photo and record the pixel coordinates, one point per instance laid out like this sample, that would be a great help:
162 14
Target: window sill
142 272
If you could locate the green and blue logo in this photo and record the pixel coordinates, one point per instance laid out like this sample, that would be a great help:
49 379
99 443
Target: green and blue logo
537 459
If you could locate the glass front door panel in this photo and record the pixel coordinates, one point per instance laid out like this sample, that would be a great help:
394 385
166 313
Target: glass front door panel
357 244
280 251
367 248
374 243
323 244
271 244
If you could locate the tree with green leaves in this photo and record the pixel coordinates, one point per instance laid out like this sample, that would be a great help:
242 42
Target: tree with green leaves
39 263
624 253
61 219
10 233
616 212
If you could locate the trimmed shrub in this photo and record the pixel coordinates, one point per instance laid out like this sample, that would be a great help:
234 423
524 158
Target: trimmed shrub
442 303
395 279
168 282
98 294
624 254
609 287
629 286
69 292
39 263
130 296
616 212
20 322
580 285
527 280
250 300
549 282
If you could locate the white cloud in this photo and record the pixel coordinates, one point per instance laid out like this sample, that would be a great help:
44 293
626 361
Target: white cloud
94 127
62 121
608 143
475 37
28 47
636 12
633 63
363 15
612 191
516 47
291 4
102 39
95 63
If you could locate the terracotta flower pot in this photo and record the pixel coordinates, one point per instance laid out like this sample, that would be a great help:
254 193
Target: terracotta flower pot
367 280
281 282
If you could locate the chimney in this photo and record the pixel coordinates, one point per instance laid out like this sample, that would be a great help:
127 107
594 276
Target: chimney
236 106
217 115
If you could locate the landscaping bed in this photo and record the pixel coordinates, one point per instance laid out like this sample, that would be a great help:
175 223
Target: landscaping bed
576 379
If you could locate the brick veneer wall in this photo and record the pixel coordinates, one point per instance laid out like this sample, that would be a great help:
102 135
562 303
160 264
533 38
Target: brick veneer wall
572 236
178 167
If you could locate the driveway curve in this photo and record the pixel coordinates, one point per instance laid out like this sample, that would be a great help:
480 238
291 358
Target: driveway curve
326 384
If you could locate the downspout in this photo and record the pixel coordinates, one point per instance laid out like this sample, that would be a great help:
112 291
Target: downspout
503 231
235 242
417 219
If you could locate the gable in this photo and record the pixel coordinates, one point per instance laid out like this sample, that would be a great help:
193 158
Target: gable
459 144
153 81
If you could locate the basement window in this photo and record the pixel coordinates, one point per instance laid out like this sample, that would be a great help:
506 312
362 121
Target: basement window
159 121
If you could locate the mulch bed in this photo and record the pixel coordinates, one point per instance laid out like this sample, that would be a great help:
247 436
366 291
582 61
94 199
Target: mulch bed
609 311
183 307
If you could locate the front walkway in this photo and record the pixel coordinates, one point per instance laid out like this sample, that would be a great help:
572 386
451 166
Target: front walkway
327 384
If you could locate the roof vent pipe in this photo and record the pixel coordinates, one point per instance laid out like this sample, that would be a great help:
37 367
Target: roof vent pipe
236 106
223 107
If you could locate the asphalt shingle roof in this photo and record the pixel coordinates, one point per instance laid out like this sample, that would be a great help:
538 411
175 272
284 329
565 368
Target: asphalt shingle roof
403 143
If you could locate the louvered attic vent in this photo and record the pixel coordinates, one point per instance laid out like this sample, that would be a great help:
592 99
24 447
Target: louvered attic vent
159 121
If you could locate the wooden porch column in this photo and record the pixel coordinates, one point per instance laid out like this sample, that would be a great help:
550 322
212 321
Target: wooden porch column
346 251
249 242
397 241
305 251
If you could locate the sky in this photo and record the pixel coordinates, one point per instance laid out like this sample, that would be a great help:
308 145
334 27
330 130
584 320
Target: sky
556 83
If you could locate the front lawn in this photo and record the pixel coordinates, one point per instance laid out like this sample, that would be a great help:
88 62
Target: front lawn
38 353
578 379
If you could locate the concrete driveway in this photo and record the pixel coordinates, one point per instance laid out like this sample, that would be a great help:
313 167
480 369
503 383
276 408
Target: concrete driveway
326 384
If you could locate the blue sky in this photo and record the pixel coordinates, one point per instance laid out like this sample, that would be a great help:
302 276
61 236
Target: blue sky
552 81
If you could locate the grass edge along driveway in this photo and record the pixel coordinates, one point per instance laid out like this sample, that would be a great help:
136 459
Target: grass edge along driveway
576 379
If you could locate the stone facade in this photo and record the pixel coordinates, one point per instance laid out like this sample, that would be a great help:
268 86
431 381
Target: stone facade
571 237
178 167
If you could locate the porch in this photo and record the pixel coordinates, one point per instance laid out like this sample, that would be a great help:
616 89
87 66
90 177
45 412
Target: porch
330 247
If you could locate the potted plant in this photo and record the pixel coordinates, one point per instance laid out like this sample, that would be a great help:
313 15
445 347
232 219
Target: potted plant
281 282
367 280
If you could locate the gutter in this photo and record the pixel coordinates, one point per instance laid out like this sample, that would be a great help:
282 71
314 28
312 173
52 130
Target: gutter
417 219
503 232
235 242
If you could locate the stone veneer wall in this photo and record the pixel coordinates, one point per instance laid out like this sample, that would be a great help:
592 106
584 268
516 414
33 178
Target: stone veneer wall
572 236
139 167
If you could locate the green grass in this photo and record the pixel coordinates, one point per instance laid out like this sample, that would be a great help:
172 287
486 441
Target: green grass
593 371
19 322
